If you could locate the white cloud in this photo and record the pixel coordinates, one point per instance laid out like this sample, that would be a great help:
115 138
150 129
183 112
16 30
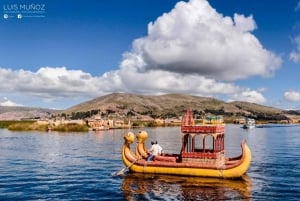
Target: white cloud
157 81
249 95
49 82
293 96
244 24
5 102
60 83
295 54
195 39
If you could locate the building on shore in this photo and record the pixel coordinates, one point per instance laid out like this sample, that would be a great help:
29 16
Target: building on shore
239 121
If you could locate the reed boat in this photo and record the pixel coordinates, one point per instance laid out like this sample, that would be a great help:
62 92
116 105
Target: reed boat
202 153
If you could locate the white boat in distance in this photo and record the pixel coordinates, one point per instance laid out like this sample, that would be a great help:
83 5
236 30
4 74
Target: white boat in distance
250 123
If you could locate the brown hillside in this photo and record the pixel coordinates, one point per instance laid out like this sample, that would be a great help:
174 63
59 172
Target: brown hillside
173 105
144 103
253 107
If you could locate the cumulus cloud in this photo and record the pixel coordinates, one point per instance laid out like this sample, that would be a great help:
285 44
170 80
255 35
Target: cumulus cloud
293 96
6 102
168 82
194 38
248 95
48 82
295 54
56 87
52 83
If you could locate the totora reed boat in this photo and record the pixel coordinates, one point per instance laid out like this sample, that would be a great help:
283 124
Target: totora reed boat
202 152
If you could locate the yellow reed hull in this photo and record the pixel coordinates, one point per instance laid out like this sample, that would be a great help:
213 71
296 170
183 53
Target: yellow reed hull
227 171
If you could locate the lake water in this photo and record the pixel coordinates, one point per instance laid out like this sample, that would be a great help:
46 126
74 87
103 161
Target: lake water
79 166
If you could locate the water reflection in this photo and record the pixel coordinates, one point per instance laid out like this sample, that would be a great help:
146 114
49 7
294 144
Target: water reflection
161 187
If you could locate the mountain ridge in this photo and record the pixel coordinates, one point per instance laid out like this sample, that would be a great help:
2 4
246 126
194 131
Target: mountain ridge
173 105
139 106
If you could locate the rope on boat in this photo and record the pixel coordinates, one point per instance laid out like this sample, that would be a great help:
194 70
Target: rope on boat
145 165
221 168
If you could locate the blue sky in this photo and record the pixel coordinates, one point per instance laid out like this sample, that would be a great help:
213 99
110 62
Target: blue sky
61 53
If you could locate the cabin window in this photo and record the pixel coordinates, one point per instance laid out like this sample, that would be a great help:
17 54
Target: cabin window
198 143
188 143
209 143
218 145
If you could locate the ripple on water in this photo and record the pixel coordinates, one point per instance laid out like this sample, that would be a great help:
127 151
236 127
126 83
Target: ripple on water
51 166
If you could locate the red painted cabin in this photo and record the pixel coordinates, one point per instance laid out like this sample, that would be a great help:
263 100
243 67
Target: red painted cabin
203 143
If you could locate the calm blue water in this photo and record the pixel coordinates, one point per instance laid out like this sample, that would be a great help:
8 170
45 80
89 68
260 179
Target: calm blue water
72 166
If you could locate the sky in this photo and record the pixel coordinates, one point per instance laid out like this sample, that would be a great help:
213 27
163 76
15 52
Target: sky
59 53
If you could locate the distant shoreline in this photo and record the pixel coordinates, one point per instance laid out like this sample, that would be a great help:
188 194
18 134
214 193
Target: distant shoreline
32 125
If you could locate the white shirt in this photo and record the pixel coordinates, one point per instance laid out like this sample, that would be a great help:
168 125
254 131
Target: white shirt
159 148
154 150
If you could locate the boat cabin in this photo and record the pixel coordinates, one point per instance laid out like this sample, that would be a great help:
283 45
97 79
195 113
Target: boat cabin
203 143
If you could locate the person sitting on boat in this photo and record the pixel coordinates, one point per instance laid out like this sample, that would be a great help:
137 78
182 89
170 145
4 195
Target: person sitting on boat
154 150
160 150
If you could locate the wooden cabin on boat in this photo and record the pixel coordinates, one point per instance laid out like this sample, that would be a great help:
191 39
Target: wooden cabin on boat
203 143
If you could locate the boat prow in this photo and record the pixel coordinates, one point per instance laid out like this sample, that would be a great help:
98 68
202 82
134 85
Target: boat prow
236 167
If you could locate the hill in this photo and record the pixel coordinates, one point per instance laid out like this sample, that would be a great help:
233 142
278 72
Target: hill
134 106
19 113
173 105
